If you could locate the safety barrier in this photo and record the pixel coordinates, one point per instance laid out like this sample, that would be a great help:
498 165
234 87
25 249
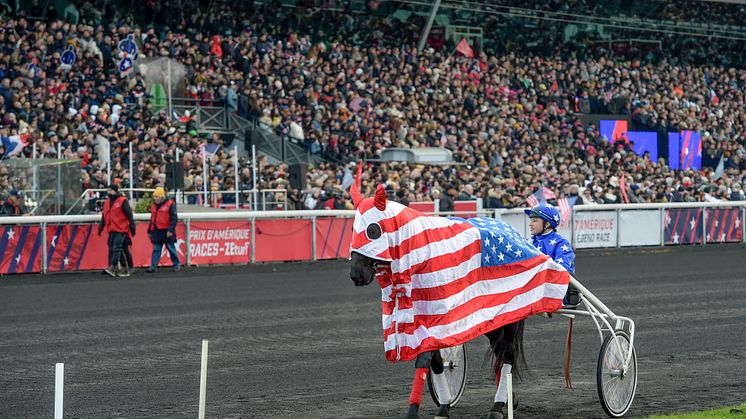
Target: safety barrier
623 225
68 243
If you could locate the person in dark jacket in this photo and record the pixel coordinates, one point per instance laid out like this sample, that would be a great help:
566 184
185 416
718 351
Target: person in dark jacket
162 229
117 218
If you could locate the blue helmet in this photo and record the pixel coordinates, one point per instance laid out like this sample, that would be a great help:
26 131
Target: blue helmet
546 212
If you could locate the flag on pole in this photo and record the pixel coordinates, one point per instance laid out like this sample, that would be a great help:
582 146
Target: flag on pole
464 48
14 144
565 206
623 188
347 179
543 194
209 150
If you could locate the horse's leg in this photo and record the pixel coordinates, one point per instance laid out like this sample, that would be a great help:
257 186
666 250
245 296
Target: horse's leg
439 381
506 343
422 365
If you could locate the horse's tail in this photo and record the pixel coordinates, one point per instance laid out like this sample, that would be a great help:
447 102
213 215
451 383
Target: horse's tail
506 346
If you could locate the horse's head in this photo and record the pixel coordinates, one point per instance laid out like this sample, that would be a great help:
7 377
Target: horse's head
370 241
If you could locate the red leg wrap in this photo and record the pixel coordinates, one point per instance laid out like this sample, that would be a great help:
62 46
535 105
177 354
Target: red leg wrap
415 397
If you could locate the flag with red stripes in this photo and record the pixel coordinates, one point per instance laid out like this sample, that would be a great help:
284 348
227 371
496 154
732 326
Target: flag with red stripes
565 205
543 194
451 280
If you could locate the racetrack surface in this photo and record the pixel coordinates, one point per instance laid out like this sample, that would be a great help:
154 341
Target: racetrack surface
300 340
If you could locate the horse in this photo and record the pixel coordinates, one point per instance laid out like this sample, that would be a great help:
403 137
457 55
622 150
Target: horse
412 255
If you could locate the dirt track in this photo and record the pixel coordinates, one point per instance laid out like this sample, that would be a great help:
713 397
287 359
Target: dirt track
299 340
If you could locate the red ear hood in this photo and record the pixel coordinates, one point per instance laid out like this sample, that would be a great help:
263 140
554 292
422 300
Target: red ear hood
380 198
356 195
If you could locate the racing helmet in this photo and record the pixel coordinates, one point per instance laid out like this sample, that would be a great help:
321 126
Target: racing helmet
546 212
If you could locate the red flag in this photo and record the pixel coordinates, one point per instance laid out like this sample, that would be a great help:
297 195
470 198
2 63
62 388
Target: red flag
623 188
359 174
464 48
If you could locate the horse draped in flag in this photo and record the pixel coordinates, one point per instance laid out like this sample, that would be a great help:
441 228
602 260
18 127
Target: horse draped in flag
445 281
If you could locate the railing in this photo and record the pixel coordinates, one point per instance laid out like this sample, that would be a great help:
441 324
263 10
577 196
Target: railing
186 218
660 224
207 118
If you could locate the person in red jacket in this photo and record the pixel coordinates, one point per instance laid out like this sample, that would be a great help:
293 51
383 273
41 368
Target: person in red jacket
117 218
162 229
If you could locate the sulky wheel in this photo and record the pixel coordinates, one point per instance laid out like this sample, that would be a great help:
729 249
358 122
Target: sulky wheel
454 368
616 386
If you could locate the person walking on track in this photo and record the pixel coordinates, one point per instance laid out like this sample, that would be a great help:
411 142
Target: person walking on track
118 220
162 229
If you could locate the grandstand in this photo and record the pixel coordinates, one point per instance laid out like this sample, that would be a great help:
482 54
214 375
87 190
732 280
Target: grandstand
608 102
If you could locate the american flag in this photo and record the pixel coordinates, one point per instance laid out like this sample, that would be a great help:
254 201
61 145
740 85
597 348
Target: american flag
543 194
565 206
208 149
451 280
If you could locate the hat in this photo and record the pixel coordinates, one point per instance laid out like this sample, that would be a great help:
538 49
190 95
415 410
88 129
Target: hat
159 193
114 188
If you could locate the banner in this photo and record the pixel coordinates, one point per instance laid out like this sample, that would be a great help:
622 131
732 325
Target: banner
463 206
281 240
640 228
333 237
218 242
595 229
142 248
723 225
20 249
682 226
427 207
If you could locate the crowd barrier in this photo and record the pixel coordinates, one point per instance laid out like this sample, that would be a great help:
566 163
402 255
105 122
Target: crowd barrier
70 243
623 225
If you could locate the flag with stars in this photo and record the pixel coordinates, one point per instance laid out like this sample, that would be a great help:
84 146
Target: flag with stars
20 249
723 225
682 226
67 245
501 243
452 280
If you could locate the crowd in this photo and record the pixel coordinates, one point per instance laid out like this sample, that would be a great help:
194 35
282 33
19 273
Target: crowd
510 116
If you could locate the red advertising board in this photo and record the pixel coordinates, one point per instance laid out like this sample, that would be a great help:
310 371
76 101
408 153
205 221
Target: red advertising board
333 237
72 247
463 206
426 207
279 240
218 242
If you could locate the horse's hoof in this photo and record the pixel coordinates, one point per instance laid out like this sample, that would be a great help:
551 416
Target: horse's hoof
413 412
497 411
443 412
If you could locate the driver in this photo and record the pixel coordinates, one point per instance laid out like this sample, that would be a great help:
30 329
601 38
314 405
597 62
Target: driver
544 220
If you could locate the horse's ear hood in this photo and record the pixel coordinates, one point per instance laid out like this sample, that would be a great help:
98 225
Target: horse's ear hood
355 193
380 198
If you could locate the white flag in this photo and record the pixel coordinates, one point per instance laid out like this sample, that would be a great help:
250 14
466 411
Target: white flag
720 169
